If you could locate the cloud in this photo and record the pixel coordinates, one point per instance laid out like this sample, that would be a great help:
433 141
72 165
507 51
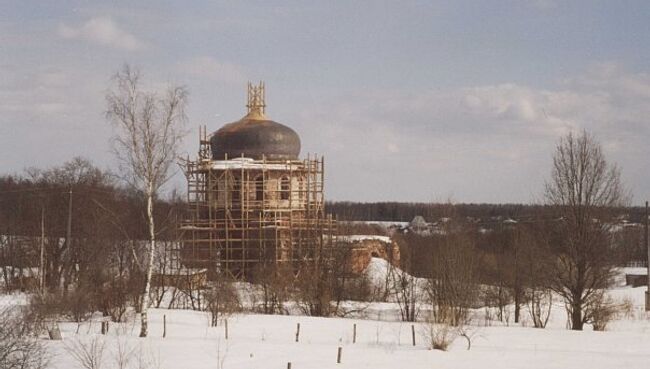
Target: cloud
57 110
607 100
34 93
482 143
214 70
102 31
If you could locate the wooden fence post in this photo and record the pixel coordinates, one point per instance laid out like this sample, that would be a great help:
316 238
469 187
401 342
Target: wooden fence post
297 332
289 365
226 327
164 326
338 355
413 333
354 333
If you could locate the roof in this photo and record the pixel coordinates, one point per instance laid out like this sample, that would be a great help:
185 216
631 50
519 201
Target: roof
255 136
418 221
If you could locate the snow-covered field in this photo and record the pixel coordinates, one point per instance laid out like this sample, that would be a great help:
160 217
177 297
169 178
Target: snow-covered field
269 341
264 341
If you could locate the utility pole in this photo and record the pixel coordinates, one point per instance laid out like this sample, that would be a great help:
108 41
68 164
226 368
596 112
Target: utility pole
68 237
647 246
69 230
42 262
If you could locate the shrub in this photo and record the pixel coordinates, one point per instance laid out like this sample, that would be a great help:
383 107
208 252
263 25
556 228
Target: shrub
221 300
604 309
439 335
19 348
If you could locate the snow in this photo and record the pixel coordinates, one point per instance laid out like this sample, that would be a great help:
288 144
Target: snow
248 163
383 224
264 341
635 270
377 271
621 273
363 237
268 341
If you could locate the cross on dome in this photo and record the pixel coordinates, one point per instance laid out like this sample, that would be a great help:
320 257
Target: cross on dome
256 104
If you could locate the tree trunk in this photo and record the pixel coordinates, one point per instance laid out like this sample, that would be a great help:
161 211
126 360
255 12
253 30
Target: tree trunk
517 311
517 304
152 249
576 317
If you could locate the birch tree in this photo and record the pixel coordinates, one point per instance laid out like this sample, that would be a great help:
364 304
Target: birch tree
149 127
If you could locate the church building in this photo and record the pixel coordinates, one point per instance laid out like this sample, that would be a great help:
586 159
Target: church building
252 200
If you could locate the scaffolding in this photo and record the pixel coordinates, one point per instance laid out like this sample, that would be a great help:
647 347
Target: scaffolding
243 213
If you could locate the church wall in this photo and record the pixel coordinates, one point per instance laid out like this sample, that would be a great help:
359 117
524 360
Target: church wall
273 192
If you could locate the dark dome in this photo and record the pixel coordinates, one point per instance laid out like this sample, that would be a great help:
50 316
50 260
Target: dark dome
255 138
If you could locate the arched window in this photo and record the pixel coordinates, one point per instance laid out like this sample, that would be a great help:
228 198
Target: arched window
285 188
259 188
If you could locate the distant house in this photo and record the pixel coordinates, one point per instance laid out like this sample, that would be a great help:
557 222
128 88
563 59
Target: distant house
636 276
419 226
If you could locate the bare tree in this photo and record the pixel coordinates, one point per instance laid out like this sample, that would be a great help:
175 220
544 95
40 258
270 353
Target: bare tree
18 348
405 288
313 288
149 128
65 195
271 288
453 286
89 354
540 303
583 189
221 300
165 268
123 353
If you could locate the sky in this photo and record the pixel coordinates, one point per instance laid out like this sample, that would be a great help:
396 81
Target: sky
426 101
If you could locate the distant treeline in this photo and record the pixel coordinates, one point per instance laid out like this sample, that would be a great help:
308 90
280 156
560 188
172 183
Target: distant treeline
406 211
91 199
